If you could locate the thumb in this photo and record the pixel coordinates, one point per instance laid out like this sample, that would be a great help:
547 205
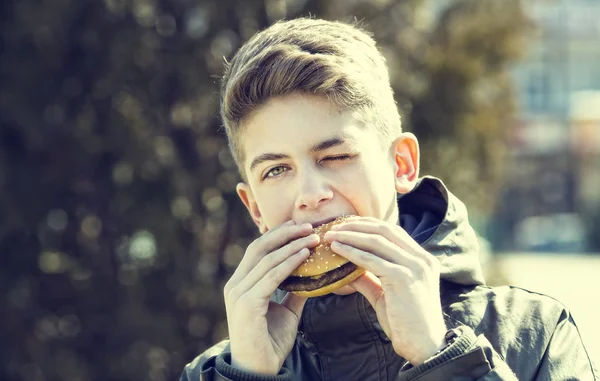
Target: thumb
294 303
369 286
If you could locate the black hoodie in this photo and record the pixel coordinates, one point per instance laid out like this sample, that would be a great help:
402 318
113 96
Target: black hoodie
506 333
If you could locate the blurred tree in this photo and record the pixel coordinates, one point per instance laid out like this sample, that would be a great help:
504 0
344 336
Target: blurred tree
119 221
466 111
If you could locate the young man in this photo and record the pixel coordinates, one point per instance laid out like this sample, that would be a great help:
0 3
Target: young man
312 123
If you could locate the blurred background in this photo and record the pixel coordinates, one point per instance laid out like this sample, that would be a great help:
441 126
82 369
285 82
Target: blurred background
119 222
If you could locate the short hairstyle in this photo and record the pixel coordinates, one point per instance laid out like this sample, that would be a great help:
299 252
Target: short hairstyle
332 59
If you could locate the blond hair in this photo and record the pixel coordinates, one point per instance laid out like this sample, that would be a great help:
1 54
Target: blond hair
325 58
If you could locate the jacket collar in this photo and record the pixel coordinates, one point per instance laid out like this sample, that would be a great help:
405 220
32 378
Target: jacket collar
454 242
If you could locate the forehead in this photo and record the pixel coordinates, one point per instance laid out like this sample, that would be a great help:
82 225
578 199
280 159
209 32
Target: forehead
296 122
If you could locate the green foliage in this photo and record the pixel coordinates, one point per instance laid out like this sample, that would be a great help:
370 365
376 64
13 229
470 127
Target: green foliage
119 221
465 112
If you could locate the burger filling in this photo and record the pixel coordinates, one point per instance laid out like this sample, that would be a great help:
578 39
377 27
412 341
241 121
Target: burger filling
310 283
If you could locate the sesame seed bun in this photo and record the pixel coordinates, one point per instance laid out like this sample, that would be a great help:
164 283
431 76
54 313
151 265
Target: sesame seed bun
323 271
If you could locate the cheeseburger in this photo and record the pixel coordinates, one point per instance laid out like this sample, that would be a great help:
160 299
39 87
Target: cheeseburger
323 271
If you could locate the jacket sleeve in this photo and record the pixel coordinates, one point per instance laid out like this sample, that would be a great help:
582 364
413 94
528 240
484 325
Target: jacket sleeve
203 366
473 357
565 357
469 357
215 365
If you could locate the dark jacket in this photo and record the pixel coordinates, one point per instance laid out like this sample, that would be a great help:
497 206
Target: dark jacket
508 333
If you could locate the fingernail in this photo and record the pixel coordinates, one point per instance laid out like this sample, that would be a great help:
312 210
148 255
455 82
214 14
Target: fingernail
306 225
290 222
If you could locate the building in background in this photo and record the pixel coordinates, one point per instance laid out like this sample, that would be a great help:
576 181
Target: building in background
551 202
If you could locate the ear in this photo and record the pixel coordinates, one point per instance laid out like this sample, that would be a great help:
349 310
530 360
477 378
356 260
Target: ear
245 194
405 151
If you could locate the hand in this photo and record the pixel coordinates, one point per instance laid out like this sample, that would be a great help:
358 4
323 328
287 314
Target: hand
262 332
401 283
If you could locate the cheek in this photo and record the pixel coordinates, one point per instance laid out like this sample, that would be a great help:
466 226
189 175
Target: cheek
276 207
369 189
356 188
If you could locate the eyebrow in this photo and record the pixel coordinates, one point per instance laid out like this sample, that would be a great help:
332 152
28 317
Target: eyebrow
322 146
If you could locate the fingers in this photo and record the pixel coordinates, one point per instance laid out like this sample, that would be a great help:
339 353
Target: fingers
393 233
369 243
254 293
268 283
254 321
298 247
400 247
370 262
383 260
267 243
369 286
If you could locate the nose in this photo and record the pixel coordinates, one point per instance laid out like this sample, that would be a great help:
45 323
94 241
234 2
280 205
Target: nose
314 190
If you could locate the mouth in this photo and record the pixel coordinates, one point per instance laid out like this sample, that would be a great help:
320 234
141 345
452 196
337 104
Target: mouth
324 221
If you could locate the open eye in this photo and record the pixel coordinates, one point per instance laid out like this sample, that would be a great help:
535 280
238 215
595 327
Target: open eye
275 171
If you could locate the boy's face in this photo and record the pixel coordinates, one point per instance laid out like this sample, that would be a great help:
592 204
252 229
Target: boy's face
307 162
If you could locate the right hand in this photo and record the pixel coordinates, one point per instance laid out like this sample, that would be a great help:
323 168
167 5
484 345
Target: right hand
262 332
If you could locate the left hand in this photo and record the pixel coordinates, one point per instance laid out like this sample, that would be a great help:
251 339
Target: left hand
402 283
